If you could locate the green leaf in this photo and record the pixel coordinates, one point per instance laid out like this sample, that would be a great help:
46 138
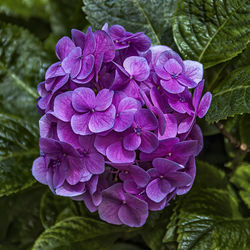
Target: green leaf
59 9
79 233
18 149
211 31
25 9
244 129
22 67
151 16
55 208
241 178
20 221
232 96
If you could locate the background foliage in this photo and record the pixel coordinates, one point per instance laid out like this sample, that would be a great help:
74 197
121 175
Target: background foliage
215 214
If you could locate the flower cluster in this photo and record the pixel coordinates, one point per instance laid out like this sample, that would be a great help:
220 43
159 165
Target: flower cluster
118 127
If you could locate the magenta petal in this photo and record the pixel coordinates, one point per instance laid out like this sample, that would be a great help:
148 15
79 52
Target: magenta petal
137 67
66 134
104 45
63 109
102 121
79 124
63 47
146 119
68 190
185 125
165 166
139 175
78 38
111 203
197 95
184 80
39 170
149 142
87 67
117 154
204 104
193 70
134 213
158 189
103 99
95 163
173 67
83 99
132 141
102 142
172 86
90 43
129 104
171 127
72 63
123 121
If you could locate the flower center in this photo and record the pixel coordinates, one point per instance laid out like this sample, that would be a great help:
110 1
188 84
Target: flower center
137 131
174 76
182 99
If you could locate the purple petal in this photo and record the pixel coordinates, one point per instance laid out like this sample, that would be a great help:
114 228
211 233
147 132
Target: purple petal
87 67
68 190
171 127
46 127
60 174
165 166
54 70
185 148
103 99
74 172
156 51
87 143
66 134
158 189
193 70
139 175
104 45
63 109
197 95
134 213
185 125
83 99
79 124
102 121
196 134
87 198
156 206
149 142
146 120
102 142
63 47
173 67
137 67
49 146
179 179
116 32
184 80
130 187
132 90
78 38
140 41
117 154
111 203
132 141
204 104
39 170
172 86
90 43
123 121
95 163
129 104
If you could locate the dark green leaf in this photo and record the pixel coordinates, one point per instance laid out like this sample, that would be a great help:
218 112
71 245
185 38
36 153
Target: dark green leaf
244 129
232 96
151 16
55 208
79 233
18 149
22 67
241 178
212 31
66 15
25 9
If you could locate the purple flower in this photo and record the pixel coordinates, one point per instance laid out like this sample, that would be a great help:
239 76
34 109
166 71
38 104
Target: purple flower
170 68
165 175
95 114
140 136
118 207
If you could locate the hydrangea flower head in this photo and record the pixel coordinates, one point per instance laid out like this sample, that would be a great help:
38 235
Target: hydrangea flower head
118 127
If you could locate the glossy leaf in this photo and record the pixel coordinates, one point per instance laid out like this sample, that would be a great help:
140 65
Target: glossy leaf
232 96
79 232
22 67
152 17
211 31
18 149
